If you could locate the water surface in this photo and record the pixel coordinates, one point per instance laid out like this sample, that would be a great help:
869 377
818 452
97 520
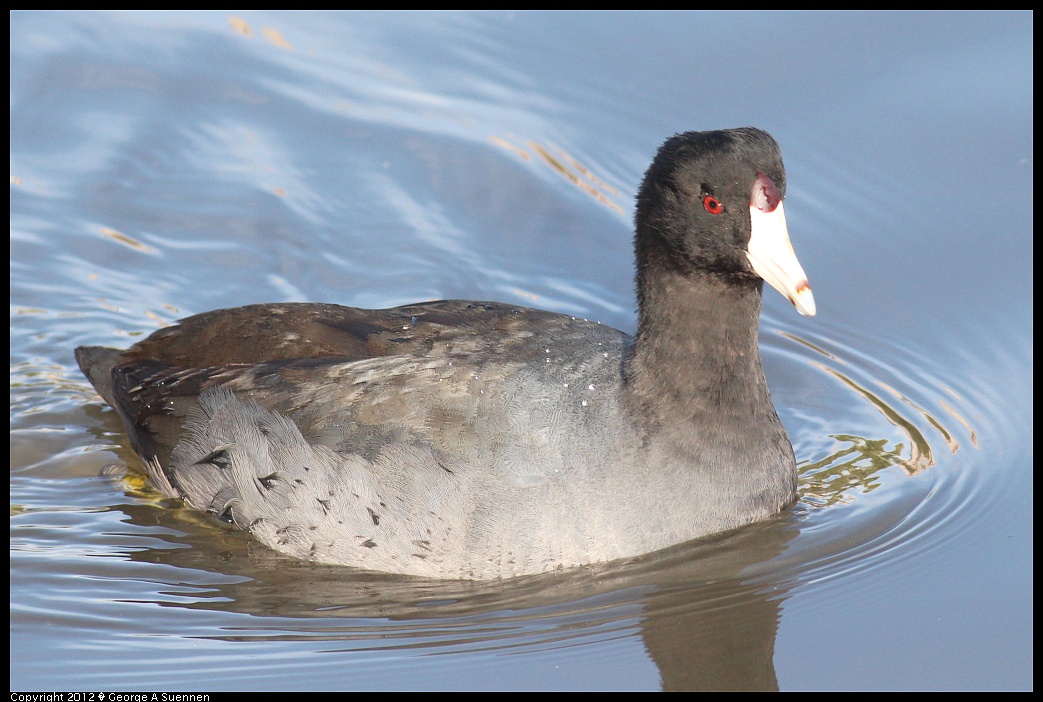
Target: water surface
164 164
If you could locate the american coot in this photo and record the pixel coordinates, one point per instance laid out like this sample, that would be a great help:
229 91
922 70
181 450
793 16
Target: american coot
482 440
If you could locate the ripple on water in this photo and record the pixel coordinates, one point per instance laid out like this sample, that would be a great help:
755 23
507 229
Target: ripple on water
879 431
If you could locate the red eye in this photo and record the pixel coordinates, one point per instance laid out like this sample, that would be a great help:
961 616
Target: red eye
712 205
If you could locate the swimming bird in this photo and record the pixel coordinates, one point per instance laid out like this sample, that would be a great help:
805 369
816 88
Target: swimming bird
481 440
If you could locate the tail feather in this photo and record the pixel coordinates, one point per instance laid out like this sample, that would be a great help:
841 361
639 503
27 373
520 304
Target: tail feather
97 363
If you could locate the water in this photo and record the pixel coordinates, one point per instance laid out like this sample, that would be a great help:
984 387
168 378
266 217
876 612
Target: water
163 164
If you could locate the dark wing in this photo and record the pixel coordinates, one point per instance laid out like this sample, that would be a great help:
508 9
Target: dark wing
276 353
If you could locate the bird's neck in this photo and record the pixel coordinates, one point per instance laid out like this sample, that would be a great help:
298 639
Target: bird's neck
696 353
